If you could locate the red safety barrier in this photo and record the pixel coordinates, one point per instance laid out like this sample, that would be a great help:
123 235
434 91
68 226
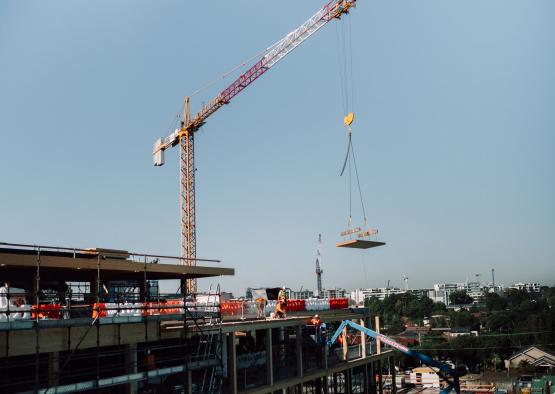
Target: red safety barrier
230 308
339 303
150 309
49 311
296 305
171 307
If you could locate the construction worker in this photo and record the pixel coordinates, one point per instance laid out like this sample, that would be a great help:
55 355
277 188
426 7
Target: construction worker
260 306
281 304
316 322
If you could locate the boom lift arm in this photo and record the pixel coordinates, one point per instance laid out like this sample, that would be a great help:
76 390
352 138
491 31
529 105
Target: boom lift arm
445 372
184 136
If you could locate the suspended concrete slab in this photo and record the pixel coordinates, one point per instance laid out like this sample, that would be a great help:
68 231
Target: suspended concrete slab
359 244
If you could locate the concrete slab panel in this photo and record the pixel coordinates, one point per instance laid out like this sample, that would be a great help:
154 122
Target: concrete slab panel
359 244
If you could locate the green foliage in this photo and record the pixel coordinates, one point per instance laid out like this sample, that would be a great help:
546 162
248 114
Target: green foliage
460 297
508 321
464 319
396 325
414 306
439 308
494 302
499 321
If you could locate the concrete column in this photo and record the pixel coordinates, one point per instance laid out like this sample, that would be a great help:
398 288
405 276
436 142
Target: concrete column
299 350
378 342
372 378
392 372
348 380
232 365
94 289
189 382
325 384
362 341
143 291
53 369
281 331
131 366
366 380
318 385
269 358
345 346
380 379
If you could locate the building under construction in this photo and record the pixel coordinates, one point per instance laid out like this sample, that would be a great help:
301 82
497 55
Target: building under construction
95 320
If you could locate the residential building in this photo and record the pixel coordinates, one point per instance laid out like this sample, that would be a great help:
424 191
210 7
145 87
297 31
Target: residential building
359 295
334 293
441 291
424 377
529 287
300 295
535 356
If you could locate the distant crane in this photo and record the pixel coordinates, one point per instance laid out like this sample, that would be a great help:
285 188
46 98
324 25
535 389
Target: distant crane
319 271
406 279
184 136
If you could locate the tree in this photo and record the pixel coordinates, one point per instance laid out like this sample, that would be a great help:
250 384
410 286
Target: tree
460 297
495 360
494 302
396 325
438 308
463 319
499 321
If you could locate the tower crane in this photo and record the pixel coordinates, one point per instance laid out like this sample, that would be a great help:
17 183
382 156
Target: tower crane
184 136
319 270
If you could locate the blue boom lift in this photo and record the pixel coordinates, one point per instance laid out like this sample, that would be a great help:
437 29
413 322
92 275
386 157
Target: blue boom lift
445 372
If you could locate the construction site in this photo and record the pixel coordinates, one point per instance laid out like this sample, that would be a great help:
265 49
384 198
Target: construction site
103 320
94 321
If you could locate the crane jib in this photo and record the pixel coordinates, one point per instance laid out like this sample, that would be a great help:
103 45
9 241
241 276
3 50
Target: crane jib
278 51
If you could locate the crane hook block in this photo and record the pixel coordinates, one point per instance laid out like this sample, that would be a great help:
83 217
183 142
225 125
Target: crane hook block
348 119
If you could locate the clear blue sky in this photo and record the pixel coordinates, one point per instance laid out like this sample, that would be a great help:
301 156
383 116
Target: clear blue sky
454 135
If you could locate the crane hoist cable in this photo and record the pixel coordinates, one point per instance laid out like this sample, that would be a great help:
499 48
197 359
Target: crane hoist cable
345 61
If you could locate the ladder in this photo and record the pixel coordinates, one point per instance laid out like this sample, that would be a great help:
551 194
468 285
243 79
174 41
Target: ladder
212 376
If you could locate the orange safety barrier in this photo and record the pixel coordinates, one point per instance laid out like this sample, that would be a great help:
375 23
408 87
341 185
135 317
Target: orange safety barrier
99 310
230 308
152 308
296 305
171 307
339 303
49 311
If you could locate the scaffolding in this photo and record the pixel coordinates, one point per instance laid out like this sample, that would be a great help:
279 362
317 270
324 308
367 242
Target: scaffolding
87 319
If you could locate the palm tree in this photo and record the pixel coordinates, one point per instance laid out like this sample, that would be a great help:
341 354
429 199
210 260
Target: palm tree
495 360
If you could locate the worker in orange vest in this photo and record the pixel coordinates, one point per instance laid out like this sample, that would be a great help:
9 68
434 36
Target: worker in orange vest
281 304
315 321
